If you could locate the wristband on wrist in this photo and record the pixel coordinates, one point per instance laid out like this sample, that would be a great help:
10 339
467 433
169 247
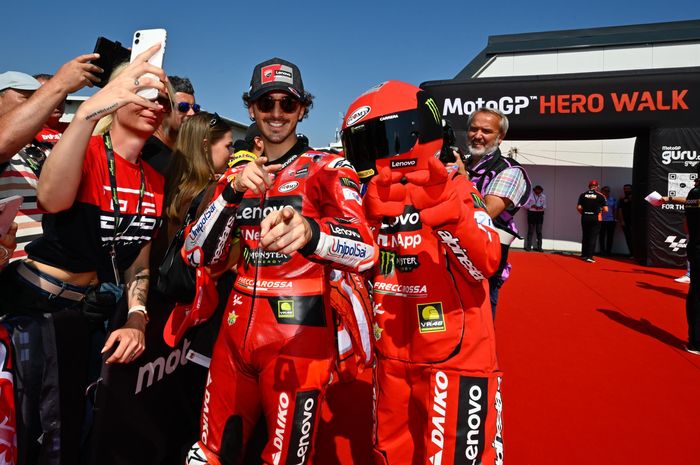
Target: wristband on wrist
138 308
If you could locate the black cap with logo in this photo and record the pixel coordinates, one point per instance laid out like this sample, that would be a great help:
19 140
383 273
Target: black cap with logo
276 74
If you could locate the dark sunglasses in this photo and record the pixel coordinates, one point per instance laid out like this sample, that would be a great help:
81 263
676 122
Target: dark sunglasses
165 103
184 107
266 104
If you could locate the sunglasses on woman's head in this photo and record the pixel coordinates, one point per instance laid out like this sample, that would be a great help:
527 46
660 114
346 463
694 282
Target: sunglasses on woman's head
184 107
214 120
164 101
266 104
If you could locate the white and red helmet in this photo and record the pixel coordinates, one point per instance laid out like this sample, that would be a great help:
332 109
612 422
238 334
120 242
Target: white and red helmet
391 120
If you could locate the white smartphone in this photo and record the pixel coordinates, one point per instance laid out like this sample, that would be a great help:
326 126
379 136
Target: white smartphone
8 211
143 40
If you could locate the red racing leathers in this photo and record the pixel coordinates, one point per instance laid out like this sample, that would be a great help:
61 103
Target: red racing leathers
276 347
437 381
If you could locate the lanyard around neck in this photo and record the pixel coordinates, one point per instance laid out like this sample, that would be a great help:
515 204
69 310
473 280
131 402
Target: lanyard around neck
111 167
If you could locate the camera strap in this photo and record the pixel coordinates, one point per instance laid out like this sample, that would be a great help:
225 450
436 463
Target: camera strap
111 167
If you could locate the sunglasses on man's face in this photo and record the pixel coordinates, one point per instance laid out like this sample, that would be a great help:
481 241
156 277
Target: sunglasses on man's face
184 107
266 104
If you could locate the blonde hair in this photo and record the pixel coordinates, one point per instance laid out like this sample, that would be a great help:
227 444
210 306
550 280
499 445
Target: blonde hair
191 167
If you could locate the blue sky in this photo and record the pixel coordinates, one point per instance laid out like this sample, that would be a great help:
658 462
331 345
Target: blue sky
342 49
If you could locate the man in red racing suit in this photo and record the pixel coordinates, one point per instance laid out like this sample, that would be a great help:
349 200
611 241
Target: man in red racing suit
437 380
297 219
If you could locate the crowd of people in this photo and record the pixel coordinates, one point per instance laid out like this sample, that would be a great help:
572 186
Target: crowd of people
308 266
284 246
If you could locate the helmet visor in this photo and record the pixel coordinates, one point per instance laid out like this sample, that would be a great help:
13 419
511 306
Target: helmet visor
383 137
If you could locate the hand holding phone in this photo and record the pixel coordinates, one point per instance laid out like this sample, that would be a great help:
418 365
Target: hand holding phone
112 54
143 40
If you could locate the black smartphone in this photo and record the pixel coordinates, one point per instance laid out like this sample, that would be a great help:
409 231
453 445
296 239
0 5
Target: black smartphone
112 54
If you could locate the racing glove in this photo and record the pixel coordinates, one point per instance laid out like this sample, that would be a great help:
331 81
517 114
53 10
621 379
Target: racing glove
435 195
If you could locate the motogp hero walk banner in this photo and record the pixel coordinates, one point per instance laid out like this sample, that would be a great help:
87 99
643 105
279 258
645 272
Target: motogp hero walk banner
661 108
579 106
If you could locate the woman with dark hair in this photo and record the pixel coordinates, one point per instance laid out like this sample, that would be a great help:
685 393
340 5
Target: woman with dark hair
103 207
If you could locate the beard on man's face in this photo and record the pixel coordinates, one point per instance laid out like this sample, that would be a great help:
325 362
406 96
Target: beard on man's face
480 150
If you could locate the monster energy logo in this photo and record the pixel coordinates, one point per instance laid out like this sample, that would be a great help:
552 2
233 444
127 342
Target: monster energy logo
432 106
389 261
262 257
478 202
347 182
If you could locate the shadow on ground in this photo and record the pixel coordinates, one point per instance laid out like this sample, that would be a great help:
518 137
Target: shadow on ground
645 327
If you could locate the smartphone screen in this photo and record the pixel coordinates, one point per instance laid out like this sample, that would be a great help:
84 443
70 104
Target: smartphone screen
112 54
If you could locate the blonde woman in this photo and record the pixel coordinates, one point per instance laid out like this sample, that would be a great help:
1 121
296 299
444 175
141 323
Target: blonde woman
103 206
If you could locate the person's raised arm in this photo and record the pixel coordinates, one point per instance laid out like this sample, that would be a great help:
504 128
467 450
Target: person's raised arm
21 124
60 175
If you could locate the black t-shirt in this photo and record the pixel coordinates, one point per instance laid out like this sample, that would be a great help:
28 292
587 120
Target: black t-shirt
156 154
592 202
625 205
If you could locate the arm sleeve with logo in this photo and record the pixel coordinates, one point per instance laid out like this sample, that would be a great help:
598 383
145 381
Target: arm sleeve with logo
472 243
340 233
207 239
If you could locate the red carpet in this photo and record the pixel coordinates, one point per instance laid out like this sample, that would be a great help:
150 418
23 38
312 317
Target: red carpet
594 370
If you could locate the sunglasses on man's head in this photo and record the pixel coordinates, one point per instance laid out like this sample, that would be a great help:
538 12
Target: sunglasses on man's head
288 104
184 107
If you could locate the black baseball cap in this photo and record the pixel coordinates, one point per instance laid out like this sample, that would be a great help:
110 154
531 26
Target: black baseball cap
276 74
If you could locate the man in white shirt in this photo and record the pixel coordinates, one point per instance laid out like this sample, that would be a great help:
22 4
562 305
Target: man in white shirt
535 206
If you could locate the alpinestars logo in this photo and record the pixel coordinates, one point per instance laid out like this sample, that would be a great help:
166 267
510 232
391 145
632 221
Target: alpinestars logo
497 443
453 243
676 245
439 407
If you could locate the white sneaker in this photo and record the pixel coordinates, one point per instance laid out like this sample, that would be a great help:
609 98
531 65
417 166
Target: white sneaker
685 279
692 349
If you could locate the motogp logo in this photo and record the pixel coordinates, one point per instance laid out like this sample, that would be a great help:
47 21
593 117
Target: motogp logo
676 245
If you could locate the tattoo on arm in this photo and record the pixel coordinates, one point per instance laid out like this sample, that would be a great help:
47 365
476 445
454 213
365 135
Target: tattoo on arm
99 112
138 287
